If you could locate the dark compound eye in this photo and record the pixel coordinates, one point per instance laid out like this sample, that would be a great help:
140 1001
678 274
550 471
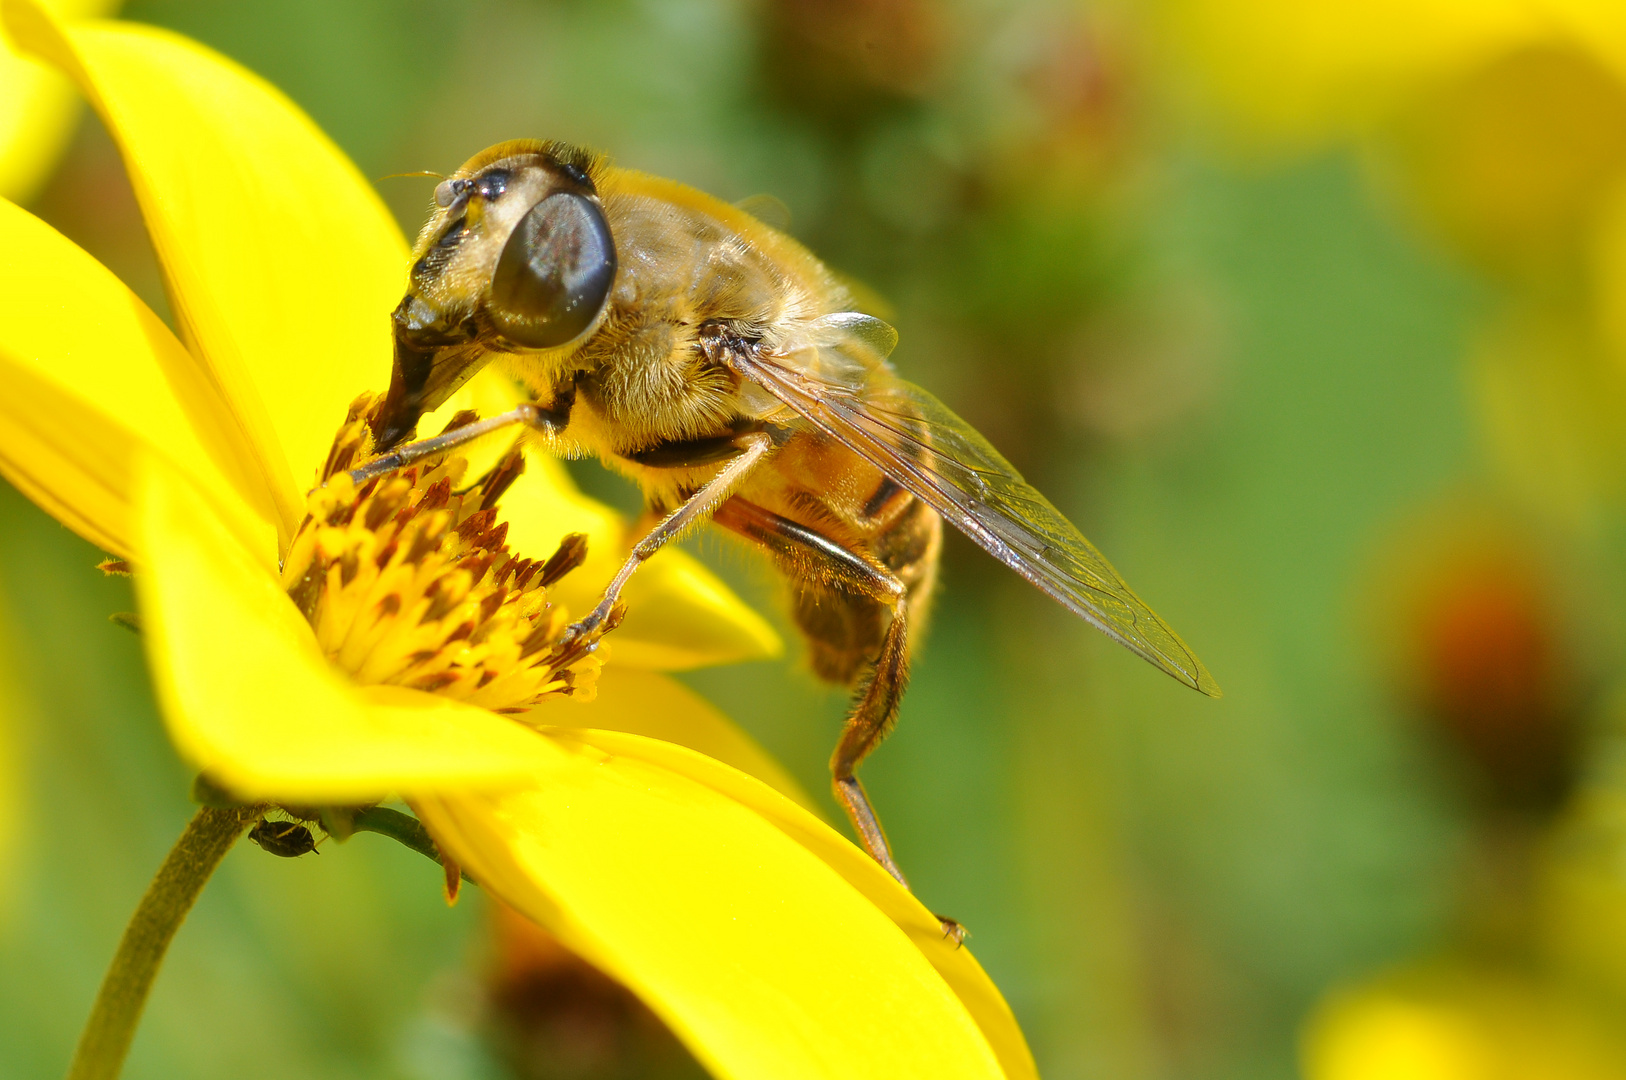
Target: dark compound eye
493 183
554 274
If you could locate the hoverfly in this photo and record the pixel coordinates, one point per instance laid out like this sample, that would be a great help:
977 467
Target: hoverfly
719 364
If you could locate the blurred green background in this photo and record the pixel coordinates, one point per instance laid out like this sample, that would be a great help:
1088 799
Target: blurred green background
1311 326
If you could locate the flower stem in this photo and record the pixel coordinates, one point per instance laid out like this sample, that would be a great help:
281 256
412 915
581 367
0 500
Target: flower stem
112 1023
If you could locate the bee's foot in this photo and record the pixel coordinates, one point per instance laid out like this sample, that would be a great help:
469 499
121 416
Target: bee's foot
584 627
953 931
601 620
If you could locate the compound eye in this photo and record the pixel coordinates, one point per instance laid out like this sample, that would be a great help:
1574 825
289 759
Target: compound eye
554 274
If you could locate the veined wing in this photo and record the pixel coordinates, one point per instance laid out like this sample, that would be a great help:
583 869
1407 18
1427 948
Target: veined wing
915 439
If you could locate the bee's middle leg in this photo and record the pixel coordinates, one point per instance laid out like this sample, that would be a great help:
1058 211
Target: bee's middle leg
702 503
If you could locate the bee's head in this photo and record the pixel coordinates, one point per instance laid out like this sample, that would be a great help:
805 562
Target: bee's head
516 257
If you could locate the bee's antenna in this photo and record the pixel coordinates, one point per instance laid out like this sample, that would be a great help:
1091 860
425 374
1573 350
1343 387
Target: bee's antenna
425 172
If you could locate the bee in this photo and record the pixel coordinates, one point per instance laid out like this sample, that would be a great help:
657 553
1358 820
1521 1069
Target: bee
724 368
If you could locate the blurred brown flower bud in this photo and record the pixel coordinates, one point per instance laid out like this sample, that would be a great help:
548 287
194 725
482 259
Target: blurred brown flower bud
839 60
1493 677
553 1016
1481 644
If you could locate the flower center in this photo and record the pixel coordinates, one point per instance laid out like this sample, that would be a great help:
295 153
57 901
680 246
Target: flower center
407 580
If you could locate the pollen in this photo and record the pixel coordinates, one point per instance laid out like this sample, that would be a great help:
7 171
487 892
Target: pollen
407 580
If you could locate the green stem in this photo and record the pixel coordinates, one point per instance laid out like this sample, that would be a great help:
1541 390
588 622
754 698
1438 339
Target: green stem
112 1023
402 828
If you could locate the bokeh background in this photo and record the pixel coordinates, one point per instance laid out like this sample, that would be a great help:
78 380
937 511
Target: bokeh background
1313 316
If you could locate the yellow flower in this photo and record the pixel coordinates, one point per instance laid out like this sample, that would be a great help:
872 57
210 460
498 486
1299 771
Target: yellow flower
1299 72
1503 118
1506 114
771 945
37 111
1457 1022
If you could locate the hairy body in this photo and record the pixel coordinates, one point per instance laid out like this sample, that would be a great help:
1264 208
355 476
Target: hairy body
653 402
720 365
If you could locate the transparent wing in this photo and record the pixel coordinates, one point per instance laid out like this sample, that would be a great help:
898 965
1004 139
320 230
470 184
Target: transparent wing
942 460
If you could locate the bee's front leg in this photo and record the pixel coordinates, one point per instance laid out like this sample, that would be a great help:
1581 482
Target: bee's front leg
547 420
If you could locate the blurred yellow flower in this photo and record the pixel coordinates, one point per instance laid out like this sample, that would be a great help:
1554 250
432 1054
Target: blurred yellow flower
1507 117
38 108
771 945
1457 1023
1299 73
1398 1040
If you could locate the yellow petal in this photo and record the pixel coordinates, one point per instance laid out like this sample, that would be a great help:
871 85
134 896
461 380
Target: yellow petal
760 956
38 110
679 614
282 263
92 377
249 699
659 707
956 965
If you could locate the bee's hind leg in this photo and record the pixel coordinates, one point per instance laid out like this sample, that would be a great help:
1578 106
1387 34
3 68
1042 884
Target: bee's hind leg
873 714
809 556
871 718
